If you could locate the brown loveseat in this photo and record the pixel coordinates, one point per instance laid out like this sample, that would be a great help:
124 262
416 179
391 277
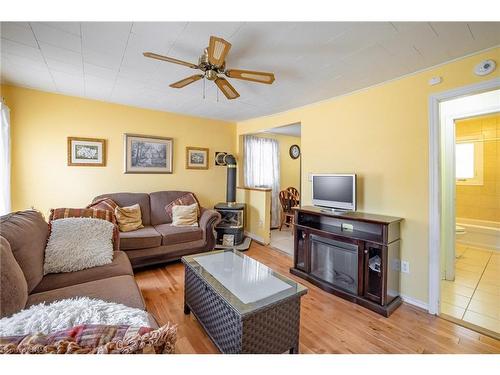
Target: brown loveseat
159 241
23 237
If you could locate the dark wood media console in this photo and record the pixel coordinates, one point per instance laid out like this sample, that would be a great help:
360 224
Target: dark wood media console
354 255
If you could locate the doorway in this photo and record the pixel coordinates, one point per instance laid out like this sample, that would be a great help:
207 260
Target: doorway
464 265
288 141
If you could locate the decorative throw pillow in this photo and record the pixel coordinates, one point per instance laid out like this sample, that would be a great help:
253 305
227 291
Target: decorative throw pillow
95 339
185 200
129 218
77 243
185 216
64 213
104 204
66 313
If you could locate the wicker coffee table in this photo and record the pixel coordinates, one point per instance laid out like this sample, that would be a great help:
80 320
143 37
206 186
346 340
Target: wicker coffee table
244 306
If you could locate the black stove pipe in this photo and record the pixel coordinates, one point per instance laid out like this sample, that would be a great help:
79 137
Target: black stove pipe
230 161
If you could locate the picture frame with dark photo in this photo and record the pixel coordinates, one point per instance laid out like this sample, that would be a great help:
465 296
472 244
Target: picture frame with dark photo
148 154
86 152
196 158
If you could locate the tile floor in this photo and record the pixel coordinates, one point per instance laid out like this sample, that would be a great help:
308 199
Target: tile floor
474 296
282 240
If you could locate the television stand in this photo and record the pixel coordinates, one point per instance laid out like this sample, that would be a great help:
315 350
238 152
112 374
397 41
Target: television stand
333 210
353 255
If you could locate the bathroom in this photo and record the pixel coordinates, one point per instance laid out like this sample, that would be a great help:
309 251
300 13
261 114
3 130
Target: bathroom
473 295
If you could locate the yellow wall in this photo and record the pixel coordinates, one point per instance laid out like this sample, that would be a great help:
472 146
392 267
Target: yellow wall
482 201
258 212
289 168
380 133
40 123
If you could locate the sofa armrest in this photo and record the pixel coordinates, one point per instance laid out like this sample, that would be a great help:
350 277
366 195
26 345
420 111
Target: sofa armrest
208 220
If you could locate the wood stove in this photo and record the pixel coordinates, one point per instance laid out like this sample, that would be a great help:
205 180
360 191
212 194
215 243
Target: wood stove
231 227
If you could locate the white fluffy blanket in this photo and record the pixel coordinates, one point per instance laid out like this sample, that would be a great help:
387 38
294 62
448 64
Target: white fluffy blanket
67 313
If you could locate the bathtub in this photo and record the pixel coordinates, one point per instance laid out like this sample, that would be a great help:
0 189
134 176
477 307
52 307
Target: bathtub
480 233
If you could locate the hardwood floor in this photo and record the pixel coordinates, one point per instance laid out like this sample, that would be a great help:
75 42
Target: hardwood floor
328 324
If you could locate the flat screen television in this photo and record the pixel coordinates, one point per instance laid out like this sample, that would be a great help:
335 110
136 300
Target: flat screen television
336 191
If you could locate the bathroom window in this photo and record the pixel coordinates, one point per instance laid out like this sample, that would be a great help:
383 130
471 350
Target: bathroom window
469 161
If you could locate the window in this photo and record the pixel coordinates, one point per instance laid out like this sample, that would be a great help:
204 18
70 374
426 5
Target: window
469 161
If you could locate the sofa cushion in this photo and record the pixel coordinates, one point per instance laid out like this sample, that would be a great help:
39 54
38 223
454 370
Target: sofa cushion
27 233
14 292
185 216
188 199
159 200
118 289
119 267
78 243
107 204
143 238
172 235
129 218
128 199
96 213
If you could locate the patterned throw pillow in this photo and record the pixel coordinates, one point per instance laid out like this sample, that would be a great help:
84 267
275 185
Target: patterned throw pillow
64 213
104 204
94 339
186 200
129 218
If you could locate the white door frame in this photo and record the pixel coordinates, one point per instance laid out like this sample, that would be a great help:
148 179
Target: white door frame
435 188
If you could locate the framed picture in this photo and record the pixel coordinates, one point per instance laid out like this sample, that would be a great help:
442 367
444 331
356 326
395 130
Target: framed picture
86 152
196 158
148 154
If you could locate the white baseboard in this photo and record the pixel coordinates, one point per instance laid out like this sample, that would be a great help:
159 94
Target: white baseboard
259 239
415 302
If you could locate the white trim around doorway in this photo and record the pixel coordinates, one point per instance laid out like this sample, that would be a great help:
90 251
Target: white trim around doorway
435 204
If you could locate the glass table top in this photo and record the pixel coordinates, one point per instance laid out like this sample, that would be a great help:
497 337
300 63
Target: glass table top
242 281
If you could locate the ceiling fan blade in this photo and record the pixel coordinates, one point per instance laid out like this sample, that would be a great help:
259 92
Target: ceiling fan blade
226 88
186 81
250 75
169 59
217 51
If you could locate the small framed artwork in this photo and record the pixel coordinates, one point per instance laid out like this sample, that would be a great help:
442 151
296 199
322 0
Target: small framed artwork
86 152
148 154
196 158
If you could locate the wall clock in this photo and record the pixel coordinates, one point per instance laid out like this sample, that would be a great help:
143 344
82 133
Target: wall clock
294 151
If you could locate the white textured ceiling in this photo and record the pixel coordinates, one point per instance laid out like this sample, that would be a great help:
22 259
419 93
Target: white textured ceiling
311 61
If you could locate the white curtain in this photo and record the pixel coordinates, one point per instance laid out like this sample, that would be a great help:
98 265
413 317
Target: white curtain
4 159
262 169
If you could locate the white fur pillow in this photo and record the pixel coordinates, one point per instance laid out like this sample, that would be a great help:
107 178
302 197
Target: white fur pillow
67 313
77 243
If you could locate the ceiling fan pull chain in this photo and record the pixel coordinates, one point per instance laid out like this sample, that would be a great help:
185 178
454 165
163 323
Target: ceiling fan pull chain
203 89
217 95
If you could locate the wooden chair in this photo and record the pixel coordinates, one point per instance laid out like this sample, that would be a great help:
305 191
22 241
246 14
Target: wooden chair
295 193
287 201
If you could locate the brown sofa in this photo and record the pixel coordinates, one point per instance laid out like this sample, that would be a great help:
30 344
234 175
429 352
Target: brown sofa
159 241
23 237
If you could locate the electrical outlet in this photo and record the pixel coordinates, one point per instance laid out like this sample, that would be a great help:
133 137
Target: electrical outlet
405 266
261 224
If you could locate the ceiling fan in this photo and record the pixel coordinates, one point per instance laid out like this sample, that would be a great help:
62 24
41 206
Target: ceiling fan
213 64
